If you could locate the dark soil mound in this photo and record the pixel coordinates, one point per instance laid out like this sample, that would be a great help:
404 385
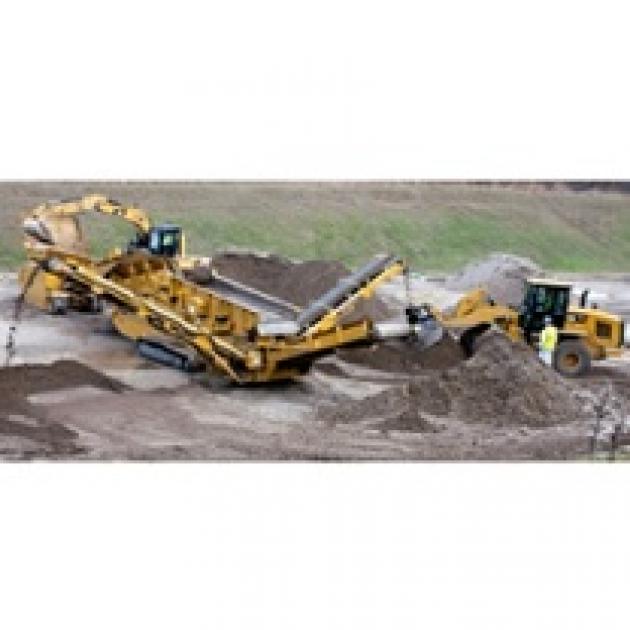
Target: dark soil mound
504 384
19 381
296 282
406 356
20 419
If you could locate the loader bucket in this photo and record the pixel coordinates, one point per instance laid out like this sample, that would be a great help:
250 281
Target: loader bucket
424 332
425 329
430 333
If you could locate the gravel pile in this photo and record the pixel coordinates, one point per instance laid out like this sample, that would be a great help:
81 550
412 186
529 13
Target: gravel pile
503 275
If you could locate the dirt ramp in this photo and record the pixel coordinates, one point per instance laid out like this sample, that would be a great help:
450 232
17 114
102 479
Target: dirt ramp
503 275
503 385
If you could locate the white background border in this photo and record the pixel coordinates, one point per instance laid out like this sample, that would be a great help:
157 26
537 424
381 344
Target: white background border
282 89
338 90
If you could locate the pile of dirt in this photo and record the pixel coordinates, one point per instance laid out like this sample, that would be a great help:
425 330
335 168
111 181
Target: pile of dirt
406 356
296 282
22 420
503 276
504 384
391 409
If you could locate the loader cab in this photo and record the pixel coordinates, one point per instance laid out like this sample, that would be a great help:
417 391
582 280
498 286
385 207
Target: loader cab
544 298
161 240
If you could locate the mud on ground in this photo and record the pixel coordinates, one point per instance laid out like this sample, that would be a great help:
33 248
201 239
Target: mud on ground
27 429
67 410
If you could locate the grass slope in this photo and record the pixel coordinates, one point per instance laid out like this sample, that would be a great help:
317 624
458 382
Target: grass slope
437 226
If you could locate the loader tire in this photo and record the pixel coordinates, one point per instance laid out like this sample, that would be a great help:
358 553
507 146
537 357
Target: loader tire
572 358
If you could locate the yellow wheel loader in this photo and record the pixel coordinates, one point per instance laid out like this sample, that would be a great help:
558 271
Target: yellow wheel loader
584 334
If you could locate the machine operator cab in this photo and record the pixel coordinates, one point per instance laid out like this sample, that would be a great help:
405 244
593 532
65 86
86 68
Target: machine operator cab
543 298
161 240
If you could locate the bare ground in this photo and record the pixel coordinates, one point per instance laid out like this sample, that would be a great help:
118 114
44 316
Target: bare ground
120 407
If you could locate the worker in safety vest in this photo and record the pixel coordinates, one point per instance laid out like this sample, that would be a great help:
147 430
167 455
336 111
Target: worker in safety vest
548 342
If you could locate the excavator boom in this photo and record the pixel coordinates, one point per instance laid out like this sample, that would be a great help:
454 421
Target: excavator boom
57 224
92 203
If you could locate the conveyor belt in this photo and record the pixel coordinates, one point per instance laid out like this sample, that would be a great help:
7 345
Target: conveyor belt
267 306
344 289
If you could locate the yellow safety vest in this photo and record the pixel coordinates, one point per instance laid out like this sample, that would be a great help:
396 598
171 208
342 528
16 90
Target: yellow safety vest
549 338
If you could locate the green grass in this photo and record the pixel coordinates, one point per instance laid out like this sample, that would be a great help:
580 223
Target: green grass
11 253
436 243
437 227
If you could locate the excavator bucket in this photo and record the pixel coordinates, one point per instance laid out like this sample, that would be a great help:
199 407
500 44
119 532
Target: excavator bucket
38 230
425 329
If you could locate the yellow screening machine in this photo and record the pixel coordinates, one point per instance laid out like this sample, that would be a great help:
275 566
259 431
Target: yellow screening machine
245 334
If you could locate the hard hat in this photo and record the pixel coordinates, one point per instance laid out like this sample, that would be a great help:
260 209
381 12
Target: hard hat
548 319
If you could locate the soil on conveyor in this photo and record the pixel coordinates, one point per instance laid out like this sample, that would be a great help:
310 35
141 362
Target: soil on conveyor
302 282
22 420
503 384
296 282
